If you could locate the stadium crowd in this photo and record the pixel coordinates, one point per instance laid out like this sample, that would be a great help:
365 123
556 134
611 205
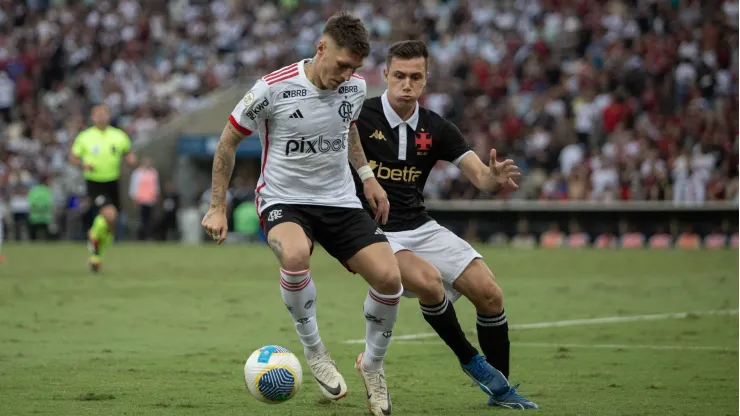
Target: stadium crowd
595 100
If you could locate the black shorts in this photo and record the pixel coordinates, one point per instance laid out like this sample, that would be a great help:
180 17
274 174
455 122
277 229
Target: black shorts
104 193
341 231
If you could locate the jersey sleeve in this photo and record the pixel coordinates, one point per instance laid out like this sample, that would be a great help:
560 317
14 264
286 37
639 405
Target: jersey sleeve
454 145
125 142
78 146
253 109
359 101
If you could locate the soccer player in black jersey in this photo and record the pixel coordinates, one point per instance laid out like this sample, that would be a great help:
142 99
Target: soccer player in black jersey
403 142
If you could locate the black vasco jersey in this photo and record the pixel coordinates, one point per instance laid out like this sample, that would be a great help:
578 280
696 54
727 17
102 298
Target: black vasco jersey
403 171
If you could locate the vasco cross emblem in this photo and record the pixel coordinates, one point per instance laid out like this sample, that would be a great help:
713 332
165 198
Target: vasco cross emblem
423 142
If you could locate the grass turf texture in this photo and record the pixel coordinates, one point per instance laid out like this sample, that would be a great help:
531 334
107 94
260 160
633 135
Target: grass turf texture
165 330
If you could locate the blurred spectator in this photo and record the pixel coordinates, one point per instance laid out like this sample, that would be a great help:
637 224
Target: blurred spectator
167 223
577 238
41 210
7 97
688 239
523 238
660 240
552 237
144 191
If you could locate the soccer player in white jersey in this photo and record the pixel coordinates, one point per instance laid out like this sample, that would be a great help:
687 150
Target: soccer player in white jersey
305 115
403 142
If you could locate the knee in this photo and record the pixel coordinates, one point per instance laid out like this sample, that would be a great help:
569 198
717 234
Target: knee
426 284
388 280
490 300
295 260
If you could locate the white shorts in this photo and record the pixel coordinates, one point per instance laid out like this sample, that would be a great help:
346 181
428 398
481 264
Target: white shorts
439 246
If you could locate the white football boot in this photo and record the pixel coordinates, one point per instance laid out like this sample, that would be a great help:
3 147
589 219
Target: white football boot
324 370
378 397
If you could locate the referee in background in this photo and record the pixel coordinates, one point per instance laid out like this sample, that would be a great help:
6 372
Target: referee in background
98 150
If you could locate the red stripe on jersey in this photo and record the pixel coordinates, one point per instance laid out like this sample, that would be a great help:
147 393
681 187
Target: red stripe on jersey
264 161
281 71
282 77
238 126
358 76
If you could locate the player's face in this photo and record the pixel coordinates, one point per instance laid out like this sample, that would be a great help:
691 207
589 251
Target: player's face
100 116
406 79
337 64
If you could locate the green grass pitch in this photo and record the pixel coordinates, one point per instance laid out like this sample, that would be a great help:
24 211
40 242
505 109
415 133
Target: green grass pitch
165 330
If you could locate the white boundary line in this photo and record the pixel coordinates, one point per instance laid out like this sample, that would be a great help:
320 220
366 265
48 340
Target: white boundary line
600 346
576 322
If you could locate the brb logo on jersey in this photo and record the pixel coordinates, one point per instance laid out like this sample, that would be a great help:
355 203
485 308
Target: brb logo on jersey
314 146
294 93
345 111
346 89
252 114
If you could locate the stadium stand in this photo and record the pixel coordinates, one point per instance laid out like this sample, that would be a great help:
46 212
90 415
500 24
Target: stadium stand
595 100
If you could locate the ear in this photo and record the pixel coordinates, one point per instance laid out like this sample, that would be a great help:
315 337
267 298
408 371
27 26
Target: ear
385 74
321 47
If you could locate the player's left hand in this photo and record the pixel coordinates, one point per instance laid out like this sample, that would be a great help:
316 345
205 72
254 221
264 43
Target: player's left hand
504 172
378 200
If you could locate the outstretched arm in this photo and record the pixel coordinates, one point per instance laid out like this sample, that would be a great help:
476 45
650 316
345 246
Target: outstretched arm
489 178
223 165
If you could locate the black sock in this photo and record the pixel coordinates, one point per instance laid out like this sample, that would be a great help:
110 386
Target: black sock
443 319
493 337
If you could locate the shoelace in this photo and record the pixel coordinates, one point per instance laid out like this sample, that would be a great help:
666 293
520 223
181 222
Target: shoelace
376 382
512 392
323 367
478 372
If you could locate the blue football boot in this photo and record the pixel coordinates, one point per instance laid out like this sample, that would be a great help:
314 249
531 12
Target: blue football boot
495 385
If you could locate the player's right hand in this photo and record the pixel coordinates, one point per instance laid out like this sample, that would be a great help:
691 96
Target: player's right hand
87 167
214 222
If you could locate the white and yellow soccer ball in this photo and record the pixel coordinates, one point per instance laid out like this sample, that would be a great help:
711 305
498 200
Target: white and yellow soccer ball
273 374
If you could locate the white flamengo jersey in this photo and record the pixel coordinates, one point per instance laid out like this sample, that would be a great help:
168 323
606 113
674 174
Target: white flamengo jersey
303 131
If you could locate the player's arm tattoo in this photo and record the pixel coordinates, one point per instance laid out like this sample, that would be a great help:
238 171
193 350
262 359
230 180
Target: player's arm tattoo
355 153
223 165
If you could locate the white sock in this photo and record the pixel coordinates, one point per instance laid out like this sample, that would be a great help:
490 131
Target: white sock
380 316
299 296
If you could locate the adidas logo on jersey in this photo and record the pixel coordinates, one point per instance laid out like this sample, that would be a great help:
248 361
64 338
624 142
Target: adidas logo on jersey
296 114
379 231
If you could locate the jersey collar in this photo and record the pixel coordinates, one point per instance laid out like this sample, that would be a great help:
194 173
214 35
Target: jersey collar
393 119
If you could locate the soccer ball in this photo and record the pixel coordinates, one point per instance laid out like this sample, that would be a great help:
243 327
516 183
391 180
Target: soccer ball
273 374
